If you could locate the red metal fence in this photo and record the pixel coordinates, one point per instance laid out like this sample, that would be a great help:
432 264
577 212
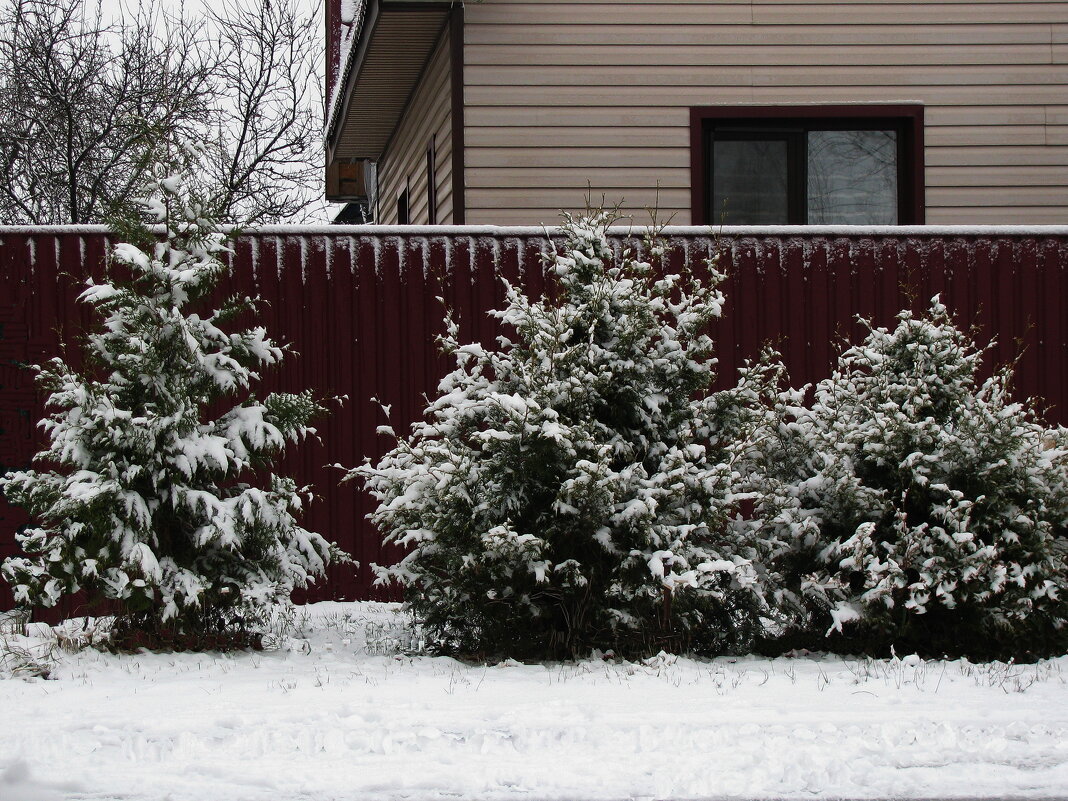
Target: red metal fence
359 305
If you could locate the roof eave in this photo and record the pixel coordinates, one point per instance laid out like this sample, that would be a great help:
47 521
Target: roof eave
379 76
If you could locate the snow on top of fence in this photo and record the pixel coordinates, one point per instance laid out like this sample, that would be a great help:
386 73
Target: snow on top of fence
504 231
57 230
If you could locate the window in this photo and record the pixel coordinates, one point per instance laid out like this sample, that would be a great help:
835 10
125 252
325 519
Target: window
403 217
814 165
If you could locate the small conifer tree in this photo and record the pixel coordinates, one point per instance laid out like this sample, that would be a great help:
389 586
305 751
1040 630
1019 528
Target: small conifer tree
912 504
569 490
143 495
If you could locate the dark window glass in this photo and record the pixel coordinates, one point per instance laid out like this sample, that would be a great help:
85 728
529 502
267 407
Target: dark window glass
852 177
750 181
402 208
431 184
767 171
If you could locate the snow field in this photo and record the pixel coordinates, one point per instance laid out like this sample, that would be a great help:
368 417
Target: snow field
322 716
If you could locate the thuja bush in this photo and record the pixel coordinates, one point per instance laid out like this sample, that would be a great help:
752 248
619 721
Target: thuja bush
569 490
145 495
910 503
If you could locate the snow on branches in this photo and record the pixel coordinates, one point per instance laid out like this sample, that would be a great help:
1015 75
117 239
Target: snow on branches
569 490
911 502
142 495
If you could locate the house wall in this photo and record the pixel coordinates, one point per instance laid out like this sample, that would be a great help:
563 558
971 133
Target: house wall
558 93
428 116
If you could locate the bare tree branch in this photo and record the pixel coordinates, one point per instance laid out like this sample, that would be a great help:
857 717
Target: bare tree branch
269 153
87 107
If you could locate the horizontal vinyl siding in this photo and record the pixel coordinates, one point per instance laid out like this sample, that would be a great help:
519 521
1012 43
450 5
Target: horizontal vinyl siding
561 94
427 118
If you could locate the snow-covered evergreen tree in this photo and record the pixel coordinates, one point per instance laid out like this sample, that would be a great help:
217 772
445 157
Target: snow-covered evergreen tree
569 490
912 503
142 495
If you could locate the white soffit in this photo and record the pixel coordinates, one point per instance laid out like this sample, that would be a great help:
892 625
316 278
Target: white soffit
399 43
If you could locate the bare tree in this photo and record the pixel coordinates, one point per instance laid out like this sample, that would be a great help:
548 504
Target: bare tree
87 106
268 153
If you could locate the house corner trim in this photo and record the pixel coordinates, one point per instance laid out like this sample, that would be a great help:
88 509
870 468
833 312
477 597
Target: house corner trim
456 43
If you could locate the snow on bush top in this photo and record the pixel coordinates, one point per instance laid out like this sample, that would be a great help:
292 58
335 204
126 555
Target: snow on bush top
912 501
568 489
144 499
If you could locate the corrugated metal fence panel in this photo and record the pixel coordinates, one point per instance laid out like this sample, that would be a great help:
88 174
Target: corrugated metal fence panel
361 310
803 295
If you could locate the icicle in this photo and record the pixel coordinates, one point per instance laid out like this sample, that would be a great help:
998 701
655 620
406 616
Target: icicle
496 250
755 251
419 244
376 249
472 243
254 241
521 258
402 255
506 244
32 244
303 259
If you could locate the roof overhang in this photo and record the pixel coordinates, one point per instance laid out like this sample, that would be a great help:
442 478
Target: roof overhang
384 63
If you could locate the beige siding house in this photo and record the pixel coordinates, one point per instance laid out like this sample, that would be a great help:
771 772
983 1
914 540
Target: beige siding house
740 111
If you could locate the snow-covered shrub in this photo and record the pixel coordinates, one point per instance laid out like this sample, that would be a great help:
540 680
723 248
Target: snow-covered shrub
141 495
910 502
569 490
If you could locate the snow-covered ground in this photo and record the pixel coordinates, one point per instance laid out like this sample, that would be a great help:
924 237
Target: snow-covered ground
321 717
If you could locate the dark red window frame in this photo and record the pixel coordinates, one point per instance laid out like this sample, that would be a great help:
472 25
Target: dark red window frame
907 119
